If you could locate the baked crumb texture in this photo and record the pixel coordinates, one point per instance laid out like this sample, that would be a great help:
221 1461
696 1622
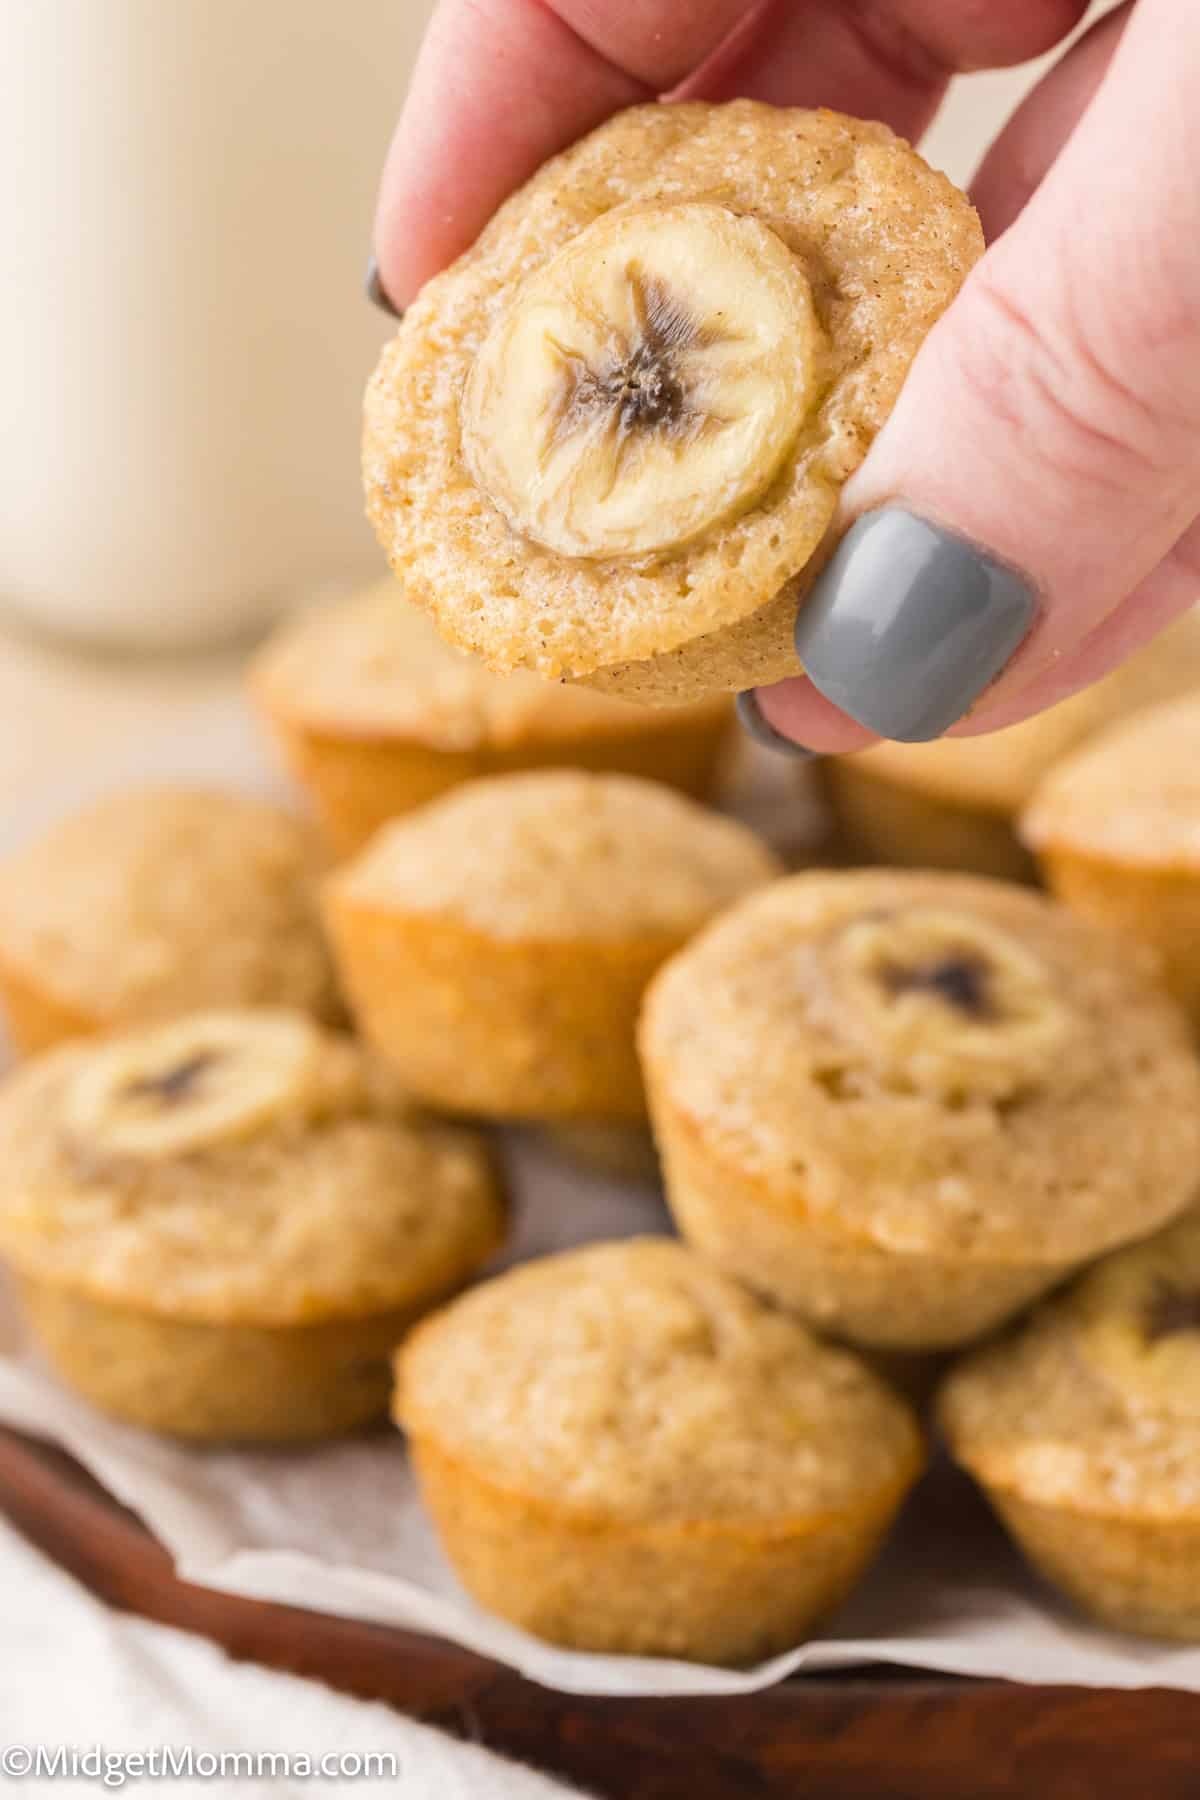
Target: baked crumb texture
375 715
883 243
1083 1427
496 945
690 1474
1116 830
249 1287
899 1104
155 901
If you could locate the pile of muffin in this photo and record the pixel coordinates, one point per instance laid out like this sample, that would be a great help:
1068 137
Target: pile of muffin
245 1151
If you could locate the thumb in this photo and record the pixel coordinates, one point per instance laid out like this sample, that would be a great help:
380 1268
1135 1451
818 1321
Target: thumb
1043 461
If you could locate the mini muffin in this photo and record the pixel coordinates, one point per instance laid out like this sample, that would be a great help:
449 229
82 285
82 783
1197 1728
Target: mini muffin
156 901
495 945
376 714
954 804
220 1227
1116 829
608 442
905 1105
1084 1430
689 1472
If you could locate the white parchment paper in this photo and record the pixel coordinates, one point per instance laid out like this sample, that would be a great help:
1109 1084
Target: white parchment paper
340 1528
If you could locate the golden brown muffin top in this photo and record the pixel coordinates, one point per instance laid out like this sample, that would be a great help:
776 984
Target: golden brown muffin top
940 1063
241 1167
632 1381
374 667
1001 770
561 854
159 899
874 243
1132 796
1095 1401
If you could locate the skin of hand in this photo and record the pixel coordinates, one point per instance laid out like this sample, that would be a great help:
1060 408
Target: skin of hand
1050 427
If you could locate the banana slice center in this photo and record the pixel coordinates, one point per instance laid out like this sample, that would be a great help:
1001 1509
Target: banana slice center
948 1003
646 385
175 1089
1141 1325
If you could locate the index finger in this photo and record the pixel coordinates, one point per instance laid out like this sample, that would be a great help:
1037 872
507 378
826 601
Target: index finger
499 86
502 84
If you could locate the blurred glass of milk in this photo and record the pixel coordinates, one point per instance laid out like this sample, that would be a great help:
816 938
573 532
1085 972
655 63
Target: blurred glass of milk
185 218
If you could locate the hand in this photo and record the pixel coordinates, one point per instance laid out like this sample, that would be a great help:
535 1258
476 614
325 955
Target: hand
1052 419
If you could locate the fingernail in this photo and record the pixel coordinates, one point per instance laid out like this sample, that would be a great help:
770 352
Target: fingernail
376 292
755 725
909 623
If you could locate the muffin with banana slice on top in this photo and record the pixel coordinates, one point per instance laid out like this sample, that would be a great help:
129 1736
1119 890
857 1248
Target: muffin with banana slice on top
220 1227
607 444
906 1105
375 714
1083 1428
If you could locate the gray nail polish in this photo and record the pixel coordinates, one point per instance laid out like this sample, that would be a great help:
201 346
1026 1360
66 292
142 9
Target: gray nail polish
376 292
909 623
756 726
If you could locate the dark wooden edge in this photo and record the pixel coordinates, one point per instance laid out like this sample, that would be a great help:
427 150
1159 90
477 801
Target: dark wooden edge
60 1508
883 1736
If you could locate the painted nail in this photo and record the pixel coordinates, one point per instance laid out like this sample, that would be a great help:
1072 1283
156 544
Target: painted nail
756 726
376 293
909 623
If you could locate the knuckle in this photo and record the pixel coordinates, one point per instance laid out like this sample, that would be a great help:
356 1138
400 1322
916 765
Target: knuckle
911 61
1072 392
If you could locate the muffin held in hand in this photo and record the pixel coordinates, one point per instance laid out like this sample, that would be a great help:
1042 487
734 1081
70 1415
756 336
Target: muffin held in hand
905 1105
623 1451
954 804
156 901
1117 832
608 442
495 945
376 714
221 1227
1084 1430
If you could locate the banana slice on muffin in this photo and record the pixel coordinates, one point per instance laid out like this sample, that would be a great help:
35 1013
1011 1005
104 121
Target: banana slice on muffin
689 1473
220 1227
607 444
946 1001
646 384
1138 1317
905 1105
1083 1428
203 1081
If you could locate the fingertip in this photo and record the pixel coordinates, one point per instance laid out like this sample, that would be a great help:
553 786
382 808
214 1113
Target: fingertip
377 293
795 710
1166 596
497 89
